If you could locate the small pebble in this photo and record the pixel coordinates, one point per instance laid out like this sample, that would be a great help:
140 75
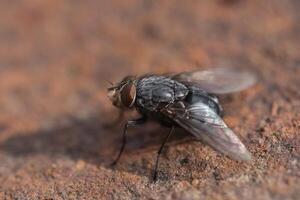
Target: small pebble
80 165
195 182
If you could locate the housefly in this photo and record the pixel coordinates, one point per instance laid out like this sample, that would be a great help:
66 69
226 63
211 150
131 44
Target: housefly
187 100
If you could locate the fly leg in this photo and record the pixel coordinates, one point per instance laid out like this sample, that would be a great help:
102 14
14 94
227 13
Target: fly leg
139 121
159 153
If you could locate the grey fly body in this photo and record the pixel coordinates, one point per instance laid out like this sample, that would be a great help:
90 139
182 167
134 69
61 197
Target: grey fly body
187 100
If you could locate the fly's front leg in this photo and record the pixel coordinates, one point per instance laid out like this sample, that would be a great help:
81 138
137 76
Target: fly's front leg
128 124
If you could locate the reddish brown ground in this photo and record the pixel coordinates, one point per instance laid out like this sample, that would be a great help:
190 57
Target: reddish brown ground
56 55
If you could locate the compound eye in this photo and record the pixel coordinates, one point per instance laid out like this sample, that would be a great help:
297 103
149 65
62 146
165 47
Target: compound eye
128 94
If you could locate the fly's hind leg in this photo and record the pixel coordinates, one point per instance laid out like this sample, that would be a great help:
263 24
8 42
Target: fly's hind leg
139 121
159 153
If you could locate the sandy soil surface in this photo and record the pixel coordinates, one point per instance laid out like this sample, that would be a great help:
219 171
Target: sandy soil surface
55 58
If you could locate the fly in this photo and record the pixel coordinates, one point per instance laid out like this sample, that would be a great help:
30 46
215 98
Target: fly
187 100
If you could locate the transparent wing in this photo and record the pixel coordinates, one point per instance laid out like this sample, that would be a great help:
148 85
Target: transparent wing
218 80
201 121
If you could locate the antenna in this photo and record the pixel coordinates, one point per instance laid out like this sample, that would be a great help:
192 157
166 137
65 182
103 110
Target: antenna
109 82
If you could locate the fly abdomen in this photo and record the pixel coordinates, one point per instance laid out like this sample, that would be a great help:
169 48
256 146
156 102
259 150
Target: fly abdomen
198 95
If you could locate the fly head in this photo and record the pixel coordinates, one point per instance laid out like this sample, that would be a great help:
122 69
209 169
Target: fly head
123 94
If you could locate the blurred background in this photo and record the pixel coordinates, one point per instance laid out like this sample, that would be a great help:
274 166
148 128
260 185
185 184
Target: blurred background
55 60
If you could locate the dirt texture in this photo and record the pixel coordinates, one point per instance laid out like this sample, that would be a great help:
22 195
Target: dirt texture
55 58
